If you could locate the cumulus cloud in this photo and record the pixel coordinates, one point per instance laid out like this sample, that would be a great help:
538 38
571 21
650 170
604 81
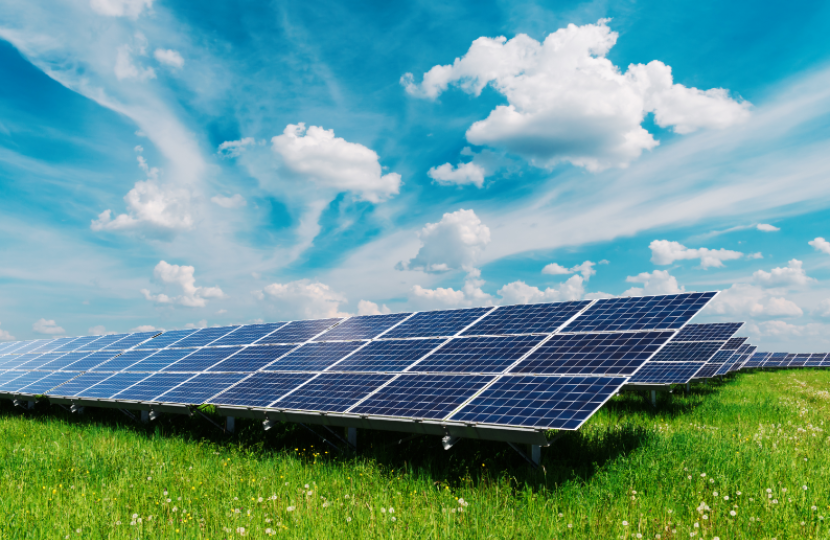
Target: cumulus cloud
146 328
820 244
317 156
463 173
586 269
183 277
365 307
568 102
792 275
5 335
470 294
306 298
657 282
98 330
48 327
120 8
824 308
519 292
236 201
126 68
453 243
744 299
766 227
235 148
666 252
788 330
201 324
169 57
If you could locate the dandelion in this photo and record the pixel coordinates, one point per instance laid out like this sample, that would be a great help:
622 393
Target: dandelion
570 525
306 486
561 514
769 490
149 478
348 519
733 513
697 525
639 535
625 524
715 493
737 493
394 519
135 516
78 531
775 501
711 480
310 493
241 530
346 497
813 508
118 523
169 500
289 509
165 493
383 510
705 516
391 510
690 477
804 488
726 497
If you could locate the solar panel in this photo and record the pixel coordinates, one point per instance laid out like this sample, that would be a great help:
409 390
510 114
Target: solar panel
363 327
112 385
527 318
123 361
799 360
55 344
159 360
666 372
167 339
745 355
153 386
204 336
200 388
7 345
733 343
388 355
201 359
90 361
8 377
261 389
15 346
713 365
422 396
314 356
708 331
776 360
41 386
826 361
298 331
252 358
102 342
76 344
478 354
65 360
743 352
690 351
757 359
639 313
247 334
78 384
130 341
815 360
31 346
40 360
18 360
331 392
437 323
24 380
593 354
540 401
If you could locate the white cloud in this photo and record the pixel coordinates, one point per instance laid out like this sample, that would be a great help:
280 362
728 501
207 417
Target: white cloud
236 201
792 275
657 282
235 148
470 294
766 227
365 307
49 327
317 156
555 269
568 102
666 252
743 299
463 173
586 269
308 299
181 276
788 330
120 8
146 328
824 308
5 335
99 330
757 255
820 244
200 324
519 292
453 243
169 57
126 68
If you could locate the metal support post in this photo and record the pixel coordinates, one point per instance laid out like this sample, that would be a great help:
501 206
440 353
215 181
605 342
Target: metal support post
145 416
688 388
536 454
654 398
230 424
31 404
351 436
525 457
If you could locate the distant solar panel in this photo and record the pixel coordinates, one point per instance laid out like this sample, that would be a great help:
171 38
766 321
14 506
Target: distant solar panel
123 361
30 346
45 346
540 401
526 319
102 342
41 386
76 344
204 336
159 360
153 386
826 361
130 341
478 354
639 313
252 358
200 388
7 345
331 392
201 359
593 354
261 389
707 332
757 359
689 351
314 356
17 345
112 385
298 331
437 323
55 344
815 360
733 343
40 360
90 361
388 355
78 384
666 372
167 339
422 396
247 334
364 327
776 360
743 353
799 360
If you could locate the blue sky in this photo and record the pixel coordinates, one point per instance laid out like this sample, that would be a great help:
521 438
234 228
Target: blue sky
165 164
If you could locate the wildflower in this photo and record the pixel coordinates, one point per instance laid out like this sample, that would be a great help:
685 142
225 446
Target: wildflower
348 519
737 493
711 480
391 510
804 488
561 514
726 497
715 493
775 501
260 499
310 493
705 516
241 530
625 524
570 525
383 510
639 535
135 516
690 477
394 519
149 478
813 508
306 486
132 523
697 524
165 493
733 513
703 475
346 497
289 509
769 490
169 500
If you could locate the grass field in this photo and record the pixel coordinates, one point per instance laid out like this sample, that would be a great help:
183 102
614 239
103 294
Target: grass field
747 457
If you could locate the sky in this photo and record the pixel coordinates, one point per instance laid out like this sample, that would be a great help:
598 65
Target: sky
168 164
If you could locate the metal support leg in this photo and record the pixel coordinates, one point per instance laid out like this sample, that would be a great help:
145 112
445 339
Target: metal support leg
536 454
145 416
688 388
230 424
654 398
519 451
31 404
351 436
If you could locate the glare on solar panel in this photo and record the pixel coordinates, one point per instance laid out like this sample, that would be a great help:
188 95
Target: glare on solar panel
388 355
261 389
478 354
200 388
252 358
247 334
640 313
526 318
331 392
314 356
298 331
202 359
363 327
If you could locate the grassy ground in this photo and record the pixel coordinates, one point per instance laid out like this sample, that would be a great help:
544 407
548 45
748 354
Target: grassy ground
742 458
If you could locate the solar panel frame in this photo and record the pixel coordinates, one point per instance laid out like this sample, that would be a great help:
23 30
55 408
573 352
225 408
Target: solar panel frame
638 313
707 331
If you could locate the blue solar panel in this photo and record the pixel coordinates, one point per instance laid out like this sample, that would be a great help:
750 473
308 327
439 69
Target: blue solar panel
200 388
364 327
422 396
123 361
40 360
90 361
736 362
478 354
130 341
713 365
756 360
167 339
388 355
24 380
7 345
776 360
826 361
245 335
47 383
112 385
733 343
16 345
9 377
298 331
540 402
593 354
799 360
65 360
690 351
152 386
202 359
815 360
331 392
526 319
252 358
640 313
17 360
708 331
261 389
159 360
55 344
78 384
314 356
204 336
666 372
437 323
76 344
30 346
102 342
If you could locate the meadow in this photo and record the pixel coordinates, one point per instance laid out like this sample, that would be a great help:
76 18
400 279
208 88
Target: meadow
742 457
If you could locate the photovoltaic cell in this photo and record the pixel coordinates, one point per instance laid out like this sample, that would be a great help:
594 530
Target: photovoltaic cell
261 389
593 354
756 360
666 372
16 346
78 384
159 360
76 344
47 383
123 361
388 355
815 360
9 377
130 341
201 359
363 327
153 386
540 402
826 361
733 343
247 334
204 336
799 360
776 360
478 354
298 331
713 365
200 388
7 345
17 360
55 344
31 346
691 351
24 380
744 352
40 360
526 319
640 313
102 342
422 396
90 361
167 339
436 323
252 358
708 332
331 392
65 360
314 356
112 385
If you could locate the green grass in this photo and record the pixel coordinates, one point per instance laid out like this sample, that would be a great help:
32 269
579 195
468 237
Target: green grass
756 439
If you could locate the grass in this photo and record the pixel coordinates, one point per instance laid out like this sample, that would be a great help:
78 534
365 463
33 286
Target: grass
746 445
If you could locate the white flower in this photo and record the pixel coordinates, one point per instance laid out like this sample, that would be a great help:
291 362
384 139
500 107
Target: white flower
737 493
348 519
175 509
570 525
690 477
625 523
260 499
703 475
290 509
813 508
705 516
391 510
726 497
697 524
306 486
135 516
383 510
310 493
394 519
733 513
118 523
132 522
769 490
804 488
149 478
165 493
715 493
169 500
775 501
